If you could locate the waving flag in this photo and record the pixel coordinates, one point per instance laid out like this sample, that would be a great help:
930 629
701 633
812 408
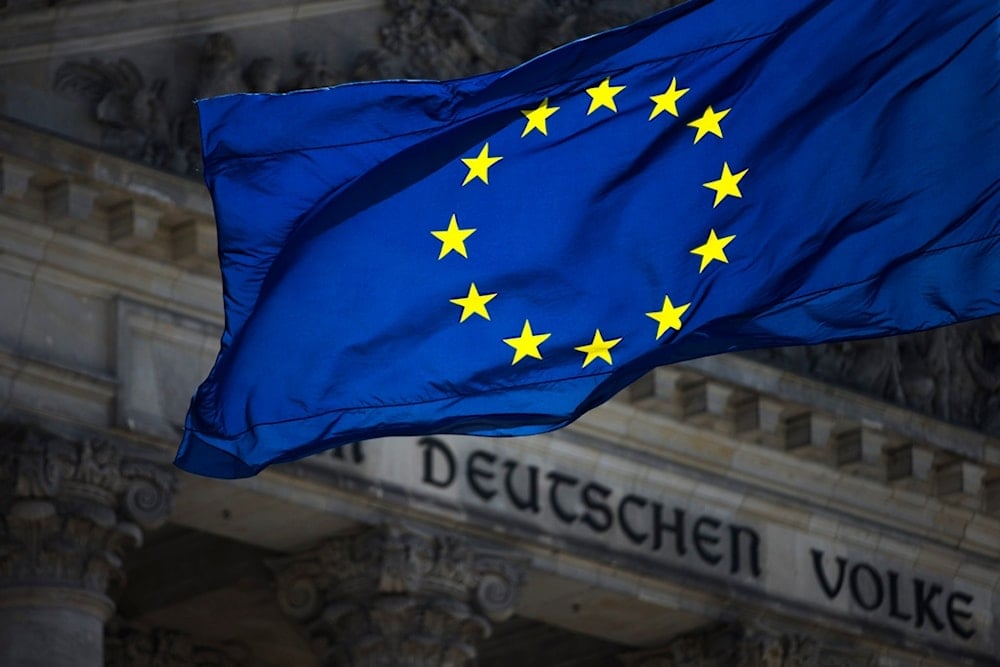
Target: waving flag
497 255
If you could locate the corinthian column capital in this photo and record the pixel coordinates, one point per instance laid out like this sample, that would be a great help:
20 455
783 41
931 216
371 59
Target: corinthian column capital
395 595
69 510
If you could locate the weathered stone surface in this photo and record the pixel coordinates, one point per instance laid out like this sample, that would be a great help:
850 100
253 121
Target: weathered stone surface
395 595
952 373
68 512
130 645
733 645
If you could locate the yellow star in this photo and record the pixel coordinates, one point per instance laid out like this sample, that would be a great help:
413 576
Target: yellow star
474 303
598 349
453 238
668 317
727 185
603 96
526 345
708 123
537 117
667 101
479 166
713 248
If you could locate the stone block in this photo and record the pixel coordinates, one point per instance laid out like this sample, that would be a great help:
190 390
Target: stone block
15 176
193 244
68 204
131 224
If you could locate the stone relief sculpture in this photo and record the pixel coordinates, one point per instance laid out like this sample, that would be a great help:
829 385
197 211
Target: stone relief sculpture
127 645
738 645
132 114
952 373
434 39
135 120
443 39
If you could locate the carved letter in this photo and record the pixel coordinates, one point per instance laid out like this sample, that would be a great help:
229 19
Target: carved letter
701 538
430 446
856 589
677 528
474 474
753 550
594 497
965 598
630 533
558 478
529 503
894 610
834 590
357 454
922 599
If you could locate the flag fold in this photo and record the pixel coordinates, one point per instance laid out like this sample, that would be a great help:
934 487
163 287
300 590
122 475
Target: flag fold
496 255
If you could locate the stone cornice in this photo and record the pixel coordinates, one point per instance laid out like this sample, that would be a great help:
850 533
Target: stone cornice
806 458
874 413
41 152
162 220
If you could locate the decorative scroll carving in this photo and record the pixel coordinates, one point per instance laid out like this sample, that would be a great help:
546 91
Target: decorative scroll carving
445 39
398 596
762 648
132 115
718 646
128 645
135 120
952 373
436 39
732 645
68 510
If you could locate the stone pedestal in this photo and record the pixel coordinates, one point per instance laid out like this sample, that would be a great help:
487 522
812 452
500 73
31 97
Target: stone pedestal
397 596
68 511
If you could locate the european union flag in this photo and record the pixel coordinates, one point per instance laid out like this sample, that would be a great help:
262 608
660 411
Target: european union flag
497 255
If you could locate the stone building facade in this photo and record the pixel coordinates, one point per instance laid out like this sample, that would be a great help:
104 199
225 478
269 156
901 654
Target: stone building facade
834 505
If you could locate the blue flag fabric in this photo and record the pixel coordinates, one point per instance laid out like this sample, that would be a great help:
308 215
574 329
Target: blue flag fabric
497 255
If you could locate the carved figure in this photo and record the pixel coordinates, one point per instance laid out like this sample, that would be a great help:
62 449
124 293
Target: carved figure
132 115
952 373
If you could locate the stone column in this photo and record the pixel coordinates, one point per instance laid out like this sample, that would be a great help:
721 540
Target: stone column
398 596
68 511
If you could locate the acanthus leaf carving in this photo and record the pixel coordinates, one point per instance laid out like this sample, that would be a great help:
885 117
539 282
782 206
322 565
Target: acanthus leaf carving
66 520
433 39
367 599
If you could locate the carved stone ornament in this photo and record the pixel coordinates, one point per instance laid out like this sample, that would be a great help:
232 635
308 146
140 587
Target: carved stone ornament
128 645
394 595
732 645
952 373
433 39
69 510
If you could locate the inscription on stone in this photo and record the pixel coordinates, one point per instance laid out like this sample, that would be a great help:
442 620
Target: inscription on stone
641 521
571 499
910 600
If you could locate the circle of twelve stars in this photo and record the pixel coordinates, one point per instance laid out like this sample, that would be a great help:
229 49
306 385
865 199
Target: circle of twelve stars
668 317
